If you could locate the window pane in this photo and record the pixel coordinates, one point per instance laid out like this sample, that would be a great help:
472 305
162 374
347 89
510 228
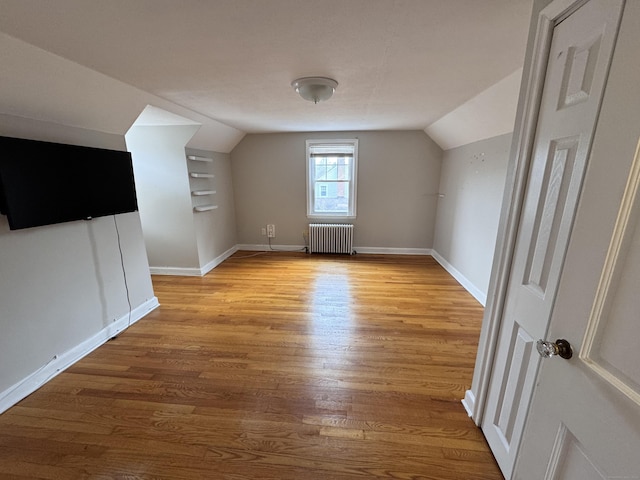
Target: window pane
332 168
332 172
344 169
321 168
332 197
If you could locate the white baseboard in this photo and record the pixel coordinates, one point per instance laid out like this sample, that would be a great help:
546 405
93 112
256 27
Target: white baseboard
469 402
193 271
179 271
218 260
199 272
270 248
393 251
464 281
297 248
59 363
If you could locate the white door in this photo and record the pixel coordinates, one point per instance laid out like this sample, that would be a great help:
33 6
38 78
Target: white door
584 421
582 43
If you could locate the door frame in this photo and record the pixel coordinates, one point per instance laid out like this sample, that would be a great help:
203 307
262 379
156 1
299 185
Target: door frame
512 203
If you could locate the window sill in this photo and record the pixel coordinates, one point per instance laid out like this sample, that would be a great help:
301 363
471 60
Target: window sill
331 217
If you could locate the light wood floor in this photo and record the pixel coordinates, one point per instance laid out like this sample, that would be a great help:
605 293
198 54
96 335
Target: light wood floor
276 366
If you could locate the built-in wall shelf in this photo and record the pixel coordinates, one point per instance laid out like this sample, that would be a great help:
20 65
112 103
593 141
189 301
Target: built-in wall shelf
201 183
197 158
204 208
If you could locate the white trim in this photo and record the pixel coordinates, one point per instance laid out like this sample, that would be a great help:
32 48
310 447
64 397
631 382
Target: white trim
192 271
468 402
353 182
61 362
179 271
218 260
520 160
330 218
393 251
464 281
267 248
371 250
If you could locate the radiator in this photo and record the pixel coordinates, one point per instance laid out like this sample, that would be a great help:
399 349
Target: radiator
330 238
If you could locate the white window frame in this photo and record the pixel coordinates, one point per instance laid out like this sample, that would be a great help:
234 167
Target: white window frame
353 182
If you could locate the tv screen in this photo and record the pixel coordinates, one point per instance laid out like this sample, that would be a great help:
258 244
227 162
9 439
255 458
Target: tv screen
43 183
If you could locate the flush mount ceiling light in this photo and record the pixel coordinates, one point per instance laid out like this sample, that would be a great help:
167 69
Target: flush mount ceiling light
315 89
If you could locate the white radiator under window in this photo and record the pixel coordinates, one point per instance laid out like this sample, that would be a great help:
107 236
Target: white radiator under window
330 238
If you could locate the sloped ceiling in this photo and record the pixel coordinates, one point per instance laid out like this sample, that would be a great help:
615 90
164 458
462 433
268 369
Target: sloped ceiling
400 64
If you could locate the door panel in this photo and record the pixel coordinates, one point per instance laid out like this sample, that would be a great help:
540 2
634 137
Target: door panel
556 183
506 416
570 460
611 342
578 62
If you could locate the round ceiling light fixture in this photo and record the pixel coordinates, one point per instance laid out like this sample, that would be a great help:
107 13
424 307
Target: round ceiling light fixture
315 89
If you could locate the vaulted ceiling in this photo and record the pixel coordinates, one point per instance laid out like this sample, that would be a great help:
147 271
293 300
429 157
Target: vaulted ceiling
400 64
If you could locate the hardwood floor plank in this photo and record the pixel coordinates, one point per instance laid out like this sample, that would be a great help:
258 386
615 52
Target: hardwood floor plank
272 366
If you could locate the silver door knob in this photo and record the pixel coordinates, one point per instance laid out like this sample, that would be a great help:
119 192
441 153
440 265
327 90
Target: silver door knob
560 347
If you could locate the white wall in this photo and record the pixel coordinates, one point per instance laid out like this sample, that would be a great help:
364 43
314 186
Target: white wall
472 182
62 287
398 175
215 229
164 195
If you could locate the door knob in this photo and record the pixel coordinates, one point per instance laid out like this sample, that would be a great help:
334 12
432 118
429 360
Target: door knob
560 347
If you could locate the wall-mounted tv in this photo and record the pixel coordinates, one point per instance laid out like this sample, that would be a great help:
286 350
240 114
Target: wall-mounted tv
43 183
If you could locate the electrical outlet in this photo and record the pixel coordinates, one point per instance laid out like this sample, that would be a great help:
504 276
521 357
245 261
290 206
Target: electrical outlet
271 231
263 231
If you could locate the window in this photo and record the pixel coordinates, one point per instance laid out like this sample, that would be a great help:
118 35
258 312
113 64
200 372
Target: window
331 178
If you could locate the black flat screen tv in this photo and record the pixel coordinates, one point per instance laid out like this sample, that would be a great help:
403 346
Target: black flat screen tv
44 183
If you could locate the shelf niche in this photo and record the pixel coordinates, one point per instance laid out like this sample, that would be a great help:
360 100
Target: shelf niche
200 189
